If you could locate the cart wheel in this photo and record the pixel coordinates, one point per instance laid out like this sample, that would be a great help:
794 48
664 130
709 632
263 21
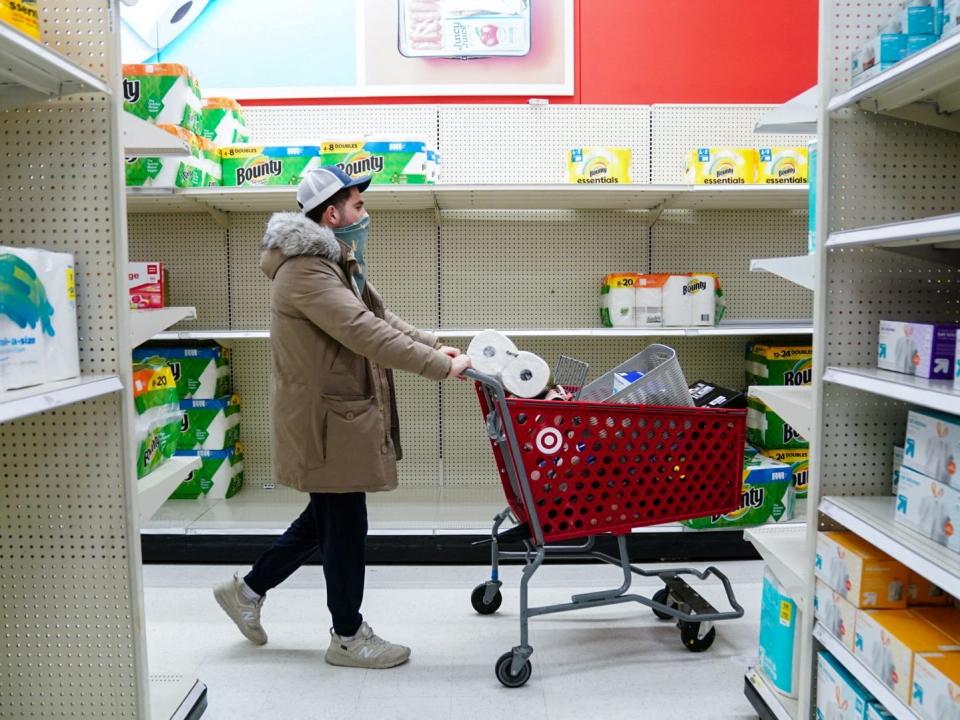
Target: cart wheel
476 599
662 596
688 636
506 677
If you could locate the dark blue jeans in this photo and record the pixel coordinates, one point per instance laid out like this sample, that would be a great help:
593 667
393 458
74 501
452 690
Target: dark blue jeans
335 524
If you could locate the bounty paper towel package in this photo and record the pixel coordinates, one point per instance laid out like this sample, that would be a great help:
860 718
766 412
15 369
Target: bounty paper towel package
254 165
599 165
932 445
220 474
433 167
919 349
209 424
388 160
783 166
837 615
722 166
799 462
690 300
23 16
199 167
887 641
839 695
897 464
936 686
201 370
779 637
62 349
767 496
224 122
26 318
922 593
164 94
618 300
929 507
766 429
779 365
650 300
157 425
863 575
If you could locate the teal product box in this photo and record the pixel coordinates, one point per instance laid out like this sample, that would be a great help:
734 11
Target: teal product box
209 424
220 474
201 370
839 695
890 47
812 198
920 18
916 43
779 641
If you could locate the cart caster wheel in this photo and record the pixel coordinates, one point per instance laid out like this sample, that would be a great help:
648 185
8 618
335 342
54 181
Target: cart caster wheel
662 596
477 600
688 636
506 677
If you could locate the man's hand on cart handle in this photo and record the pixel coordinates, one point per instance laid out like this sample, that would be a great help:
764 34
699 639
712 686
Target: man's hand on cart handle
451 352
458 365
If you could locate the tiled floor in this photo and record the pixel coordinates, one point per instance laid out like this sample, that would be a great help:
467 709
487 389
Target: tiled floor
611 663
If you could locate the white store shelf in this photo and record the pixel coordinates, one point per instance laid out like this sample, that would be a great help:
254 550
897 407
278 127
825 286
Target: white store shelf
783 549
174 697
933 74
934 394
797 270
935 230
872 518
30 72
881 692
145 324
782 707
483 197
793 404
21 403
143 139
154 489
798 115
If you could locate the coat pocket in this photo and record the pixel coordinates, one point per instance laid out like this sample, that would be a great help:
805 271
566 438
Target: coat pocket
353 435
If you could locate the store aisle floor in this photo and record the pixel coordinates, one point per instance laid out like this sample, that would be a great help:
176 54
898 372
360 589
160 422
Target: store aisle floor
614 662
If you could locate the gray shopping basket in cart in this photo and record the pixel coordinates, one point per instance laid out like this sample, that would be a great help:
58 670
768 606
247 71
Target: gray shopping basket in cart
662 383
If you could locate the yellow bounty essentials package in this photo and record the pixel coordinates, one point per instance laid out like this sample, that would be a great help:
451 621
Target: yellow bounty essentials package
783 166
722 166
599 165
22 15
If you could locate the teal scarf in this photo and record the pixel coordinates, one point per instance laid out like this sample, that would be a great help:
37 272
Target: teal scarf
355 237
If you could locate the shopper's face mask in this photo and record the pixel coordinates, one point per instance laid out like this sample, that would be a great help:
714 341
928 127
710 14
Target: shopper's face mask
355 237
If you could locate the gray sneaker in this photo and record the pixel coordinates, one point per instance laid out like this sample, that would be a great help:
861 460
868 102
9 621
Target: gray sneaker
366 650
245 613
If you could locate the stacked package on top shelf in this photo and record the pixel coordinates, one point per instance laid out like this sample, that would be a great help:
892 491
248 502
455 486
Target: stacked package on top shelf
22 15
38 318
748 166
163 94
199 167
224 122
387 159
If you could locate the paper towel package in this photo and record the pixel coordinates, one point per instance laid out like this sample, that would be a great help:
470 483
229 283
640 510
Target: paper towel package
220 474
779 637
936 686
599 165
799 462
23 16
199 166
256 166
209 424
767 496
722 166
887 640
491 351
932 445
62 349
201 370
157 422
387 159
224 122
837 615
920 349
779 365
690 300
766 429
618 300
26 318
163 94
650 300
433 166
783 166
859 572
897 464
147 285
928 507
922 592
839 695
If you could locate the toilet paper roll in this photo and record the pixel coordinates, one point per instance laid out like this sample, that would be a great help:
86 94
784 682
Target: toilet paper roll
62 351
491 351
620 304
702 291
526 376
677 305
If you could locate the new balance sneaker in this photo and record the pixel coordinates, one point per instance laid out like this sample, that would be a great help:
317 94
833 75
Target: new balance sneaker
365 650
245 613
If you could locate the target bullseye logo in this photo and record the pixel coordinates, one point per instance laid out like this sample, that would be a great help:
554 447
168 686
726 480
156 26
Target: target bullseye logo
549 441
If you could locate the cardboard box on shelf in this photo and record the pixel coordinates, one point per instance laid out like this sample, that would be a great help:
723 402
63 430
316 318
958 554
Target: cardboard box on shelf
865 576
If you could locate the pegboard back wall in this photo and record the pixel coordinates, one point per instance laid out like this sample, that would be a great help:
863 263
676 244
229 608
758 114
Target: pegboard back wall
678 129
854 23
311 125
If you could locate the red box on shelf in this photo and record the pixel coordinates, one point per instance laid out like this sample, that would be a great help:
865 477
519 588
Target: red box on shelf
147 285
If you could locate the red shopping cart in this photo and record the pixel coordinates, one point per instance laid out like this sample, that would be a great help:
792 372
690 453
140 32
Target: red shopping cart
574 470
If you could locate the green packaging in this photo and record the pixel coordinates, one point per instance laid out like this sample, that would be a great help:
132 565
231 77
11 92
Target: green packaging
766 429
199 168
201 369
209 424
767 496
389 161
163 94
799 462
255 166
224 122
157 425
779 364
219 476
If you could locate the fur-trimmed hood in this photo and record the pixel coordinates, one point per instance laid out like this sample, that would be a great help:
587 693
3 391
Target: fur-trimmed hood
290 234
